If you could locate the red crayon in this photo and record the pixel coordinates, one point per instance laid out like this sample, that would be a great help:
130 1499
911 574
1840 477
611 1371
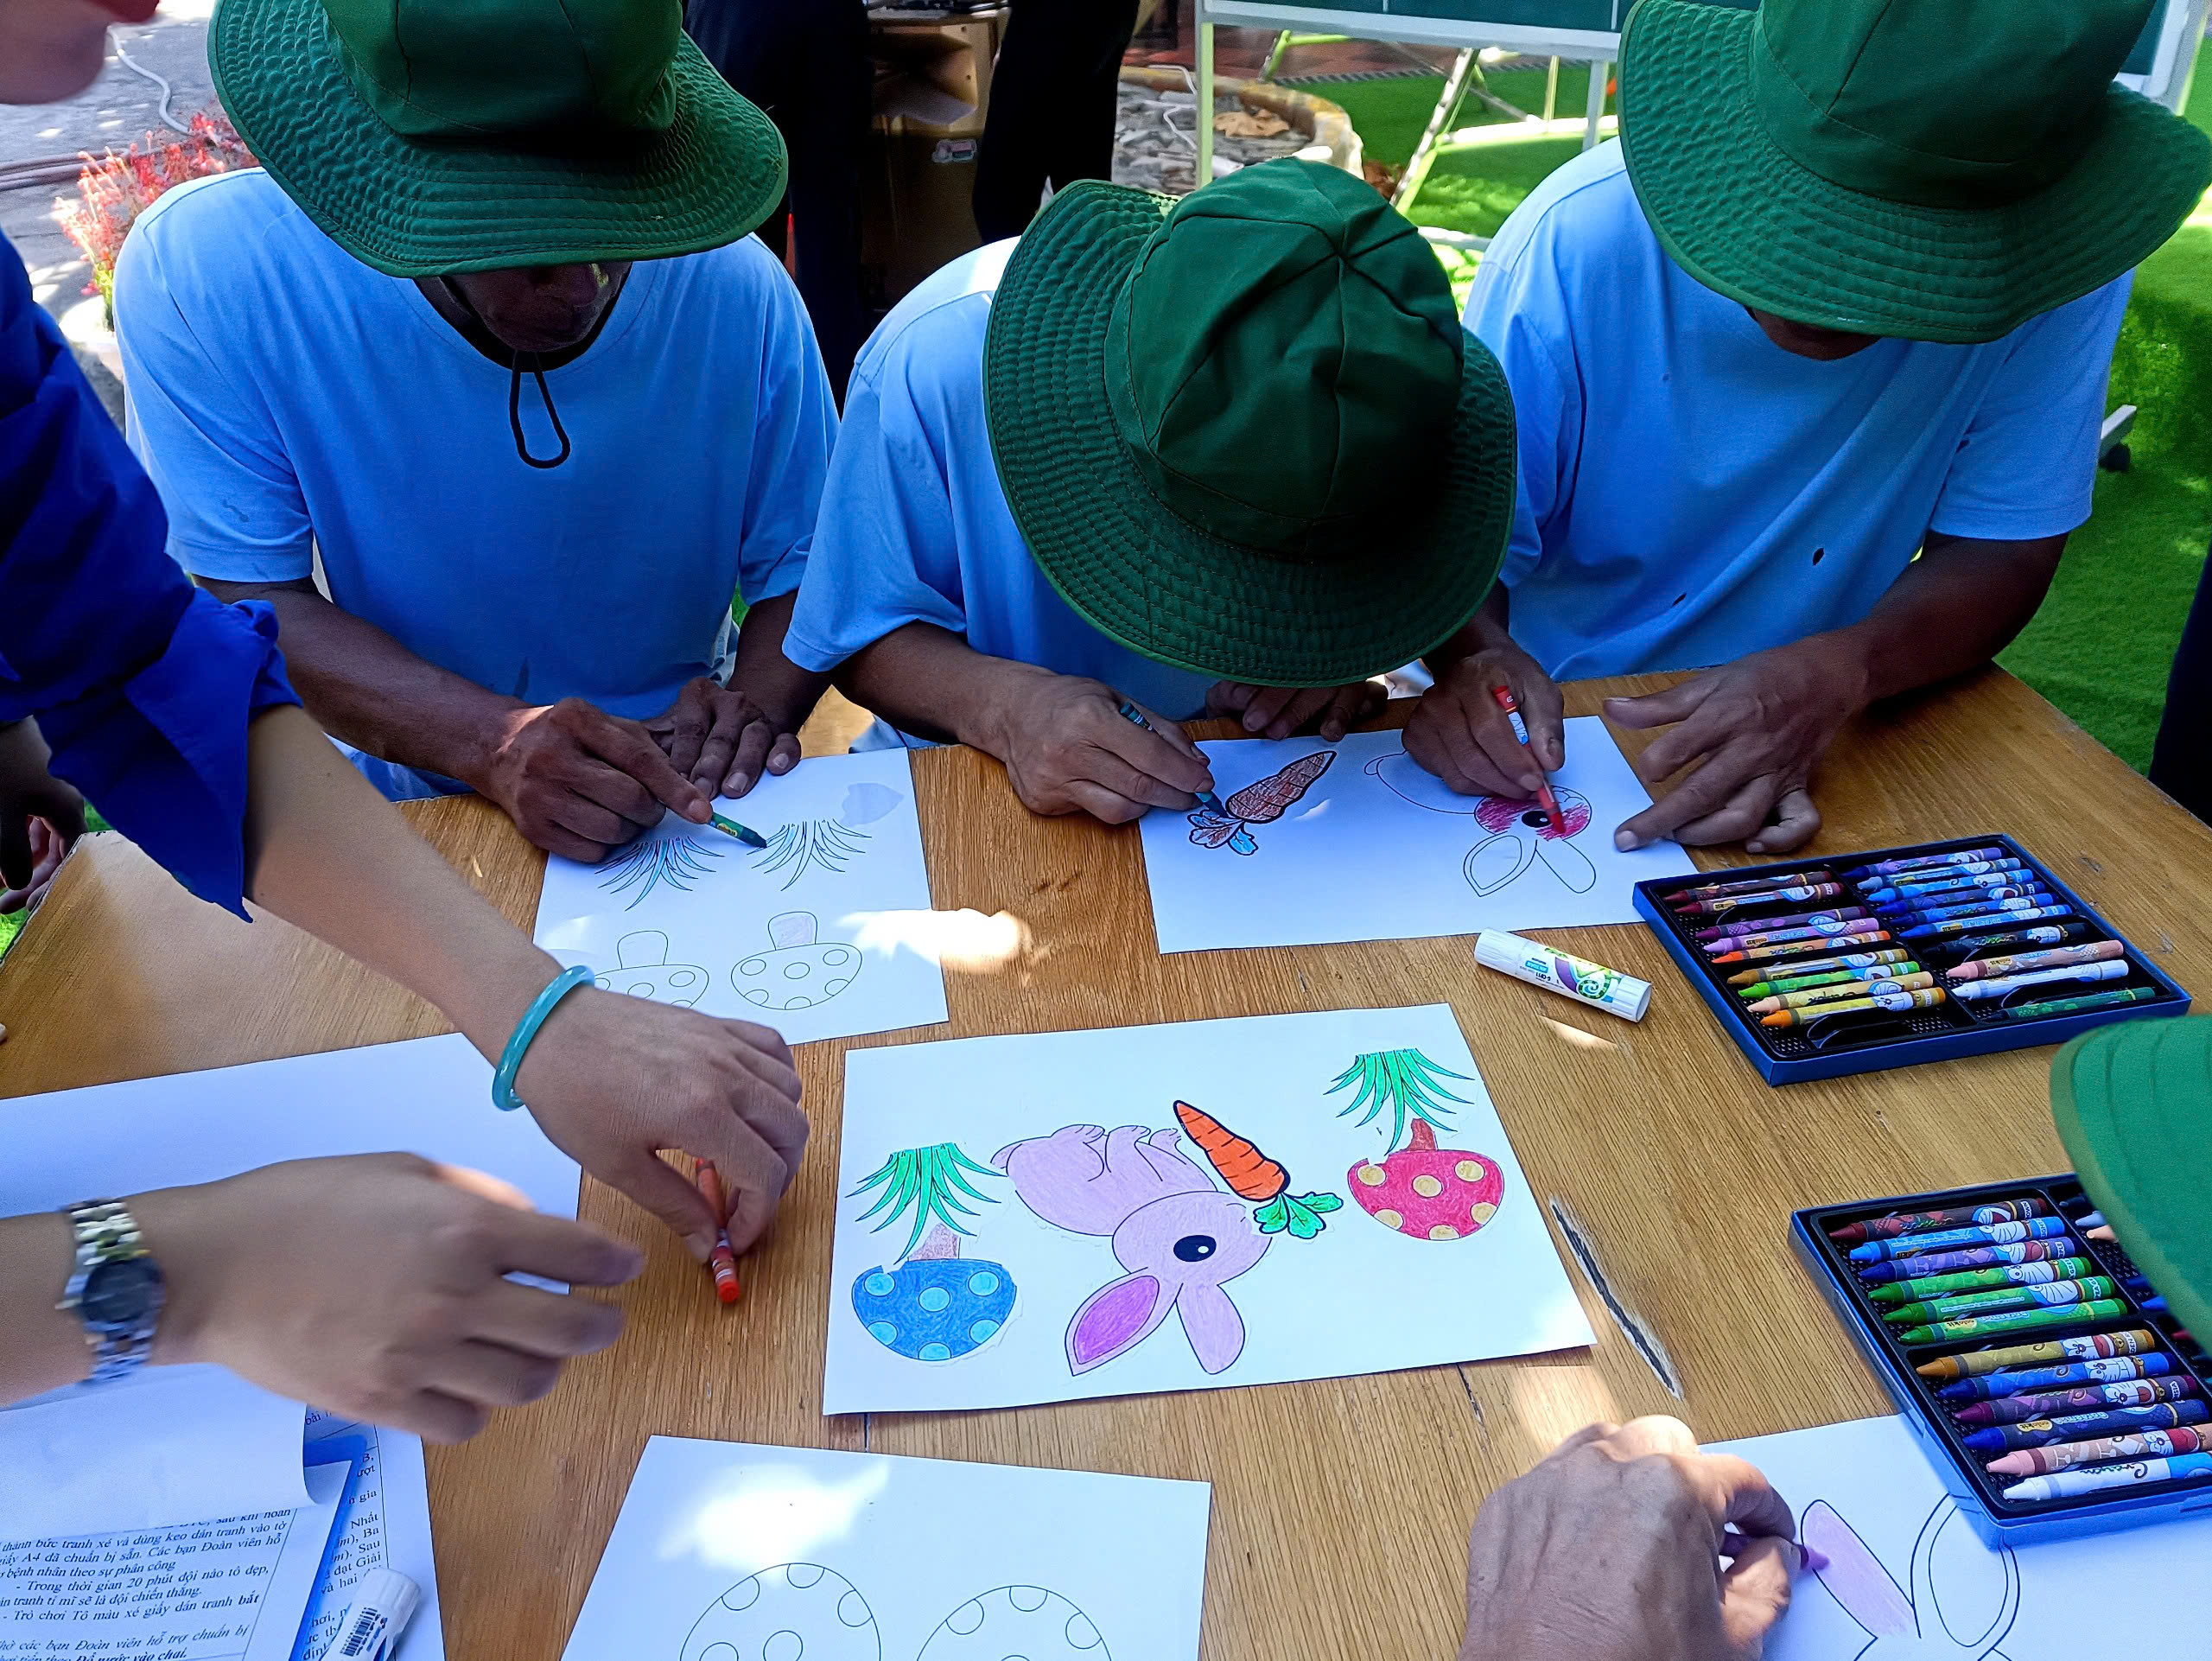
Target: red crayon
1750 885
724 1261
1766 925
1550 801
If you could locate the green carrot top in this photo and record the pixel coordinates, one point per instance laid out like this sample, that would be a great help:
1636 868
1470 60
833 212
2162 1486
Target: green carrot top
929 1182
1403 1081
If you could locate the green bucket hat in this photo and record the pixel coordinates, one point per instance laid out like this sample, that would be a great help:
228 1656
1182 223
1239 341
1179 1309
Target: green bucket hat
1930 169
1245 433
429 137
2134 1102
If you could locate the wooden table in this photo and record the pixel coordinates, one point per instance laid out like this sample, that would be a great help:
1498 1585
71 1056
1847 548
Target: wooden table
1340 1508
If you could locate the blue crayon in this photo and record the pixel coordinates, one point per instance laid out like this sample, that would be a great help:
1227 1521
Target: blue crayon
1963 888
2034 1228
2100 1478
1922 862
2020 1381
2026 899
2080 1427
1944 1263
1981 920
1949 876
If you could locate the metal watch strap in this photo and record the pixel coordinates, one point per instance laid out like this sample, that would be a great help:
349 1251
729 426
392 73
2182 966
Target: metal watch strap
106 1232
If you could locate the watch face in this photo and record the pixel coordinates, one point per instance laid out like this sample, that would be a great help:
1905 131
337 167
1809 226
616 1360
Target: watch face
122 1296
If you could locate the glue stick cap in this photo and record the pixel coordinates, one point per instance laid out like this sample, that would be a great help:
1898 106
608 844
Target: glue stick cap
383 1604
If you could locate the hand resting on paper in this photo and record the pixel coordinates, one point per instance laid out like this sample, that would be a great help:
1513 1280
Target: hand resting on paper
1282 711
373 1286
1611 1549
40 815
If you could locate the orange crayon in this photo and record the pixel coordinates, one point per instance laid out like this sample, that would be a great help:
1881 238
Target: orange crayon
724 1261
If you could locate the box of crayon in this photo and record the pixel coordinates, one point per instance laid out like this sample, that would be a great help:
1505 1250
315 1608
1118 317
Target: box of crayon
2040 1370
1854 963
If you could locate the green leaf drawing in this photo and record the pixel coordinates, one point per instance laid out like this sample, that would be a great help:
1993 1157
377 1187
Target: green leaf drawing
1403 1081
1299 1215
928 1181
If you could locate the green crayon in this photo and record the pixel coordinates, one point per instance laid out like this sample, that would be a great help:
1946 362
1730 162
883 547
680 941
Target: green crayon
1826 995
2016 1321
2088 1001
1849 960
1782 988
2003 1298
1974 1280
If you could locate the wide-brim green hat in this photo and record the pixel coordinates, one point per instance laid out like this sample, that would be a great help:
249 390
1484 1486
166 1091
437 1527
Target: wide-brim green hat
2134 1102
702 170
1143 572
1736 211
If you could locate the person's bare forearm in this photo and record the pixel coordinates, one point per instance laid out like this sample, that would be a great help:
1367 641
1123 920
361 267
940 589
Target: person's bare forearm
46 1347
1953 609
1486 629
927 681
763 673
367 688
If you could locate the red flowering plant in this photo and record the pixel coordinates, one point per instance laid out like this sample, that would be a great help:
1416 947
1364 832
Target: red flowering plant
116 188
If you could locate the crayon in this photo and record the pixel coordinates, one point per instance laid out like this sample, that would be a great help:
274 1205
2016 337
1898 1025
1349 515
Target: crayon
2016 1321
1972 990
2095 1370
2020 962
1943 1262
1771 926
1955 899
2071 1006
1766 989
2079 1427
1841 960
2089 1219
1987 906
1925 999
2083 1398
2028 1228
2064 1455
1849 928
743 833
1749 885
1760 954
1987 919
2067 1485
1922 862
2042 934
1728 902
1983 873
723 1261
1817 996
2088 1346
1920 1222
2002 1298
1975 1280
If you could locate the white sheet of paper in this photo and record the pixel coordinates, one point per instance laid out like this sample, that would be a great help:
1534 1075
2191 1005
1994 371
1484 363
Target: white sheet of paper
824 935
1037 1311
1904 1561
429 1096
1378 849
228 1589
730 1552
387 1526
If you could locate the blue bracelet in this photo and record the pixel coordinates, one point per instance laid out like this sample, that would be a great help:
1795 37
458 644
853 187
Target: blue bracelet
503 1082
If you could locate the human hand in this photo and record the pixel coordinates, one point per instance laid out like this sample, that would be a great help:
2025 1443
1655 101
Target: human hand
612 1080
1458 732
1610 1549
373 1286
579 782
1279 711
722 740
40 817
1068 749
1760 724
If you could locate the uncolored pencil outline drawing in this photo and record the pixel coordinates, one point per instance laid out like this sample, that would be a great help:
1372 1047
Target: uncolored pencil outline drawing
1031 1621
796 954
1259 803
1522 831
1902 1627
638 974
1417 1188
934 1306
660 856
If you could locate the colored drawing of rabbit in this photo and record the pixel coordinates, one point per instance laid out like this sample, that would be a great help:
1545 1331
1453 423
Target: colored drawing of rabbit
1917 1627
1179 1238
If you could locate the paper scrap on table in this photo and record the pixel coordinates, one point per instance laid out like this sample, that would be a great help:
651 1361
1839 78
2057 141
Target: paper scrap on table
1909 1577
726 1550
234 1589
1352 841
1335 1196
822 934
429 1096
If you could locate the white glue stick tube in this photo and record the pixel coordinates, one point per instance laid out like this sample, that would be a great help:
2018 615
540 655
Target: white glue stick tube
1555 971
382 1606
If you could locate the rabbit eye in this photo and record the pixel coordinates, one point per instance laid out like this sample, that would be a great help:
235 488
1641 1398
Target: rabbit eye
1195 1248
1533 819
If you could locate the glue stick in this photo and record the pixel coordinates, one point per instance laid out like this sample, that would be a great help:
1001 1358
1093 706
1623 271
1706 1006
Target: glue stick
1576 977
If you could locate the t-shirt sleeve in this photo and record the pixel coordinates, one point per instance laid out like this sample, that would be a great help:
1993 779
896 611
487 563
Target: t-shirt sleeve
2028 464
200 424
1515 310
886 520
795 427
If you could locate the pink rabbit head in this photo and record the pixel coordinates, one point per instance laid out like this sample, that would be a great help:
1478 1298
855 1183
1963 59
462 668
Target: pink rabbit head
1938 1621
1497 813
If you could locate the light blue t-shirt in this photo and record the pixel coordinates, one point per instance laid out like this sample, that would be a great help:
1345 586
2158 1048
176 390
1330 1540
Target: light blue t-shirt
1691 493
287 398
914 528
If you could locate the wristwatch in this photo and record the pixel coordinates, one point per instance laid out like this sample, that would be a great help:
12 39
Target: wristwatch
116 1289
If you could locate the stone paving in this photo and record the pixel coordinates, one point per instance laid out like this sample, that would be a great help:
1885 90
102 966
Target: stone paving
1156 141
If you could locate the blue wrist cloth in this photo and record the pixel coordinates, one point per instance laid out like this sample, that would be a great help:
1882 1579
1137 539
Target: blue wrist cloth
503 1082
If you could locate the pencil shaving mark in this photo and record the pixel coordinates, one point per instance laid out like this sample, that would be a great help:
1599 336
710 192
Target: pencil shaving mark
657 859
1637 1330
1901 1625
799 970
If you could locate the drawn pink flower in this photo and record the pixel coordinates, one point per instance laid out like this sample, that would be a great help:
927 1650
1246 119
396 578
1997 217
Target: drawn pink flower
1501 813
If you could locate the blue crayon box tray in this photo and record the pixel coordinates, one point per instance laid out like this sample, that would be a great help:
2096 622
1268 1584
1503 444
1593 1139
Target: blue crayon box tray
2183 1374
1871 1040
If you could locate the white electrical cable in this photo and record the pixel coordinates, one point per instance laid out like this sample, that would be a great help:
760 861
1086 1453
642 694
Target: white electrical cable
167 90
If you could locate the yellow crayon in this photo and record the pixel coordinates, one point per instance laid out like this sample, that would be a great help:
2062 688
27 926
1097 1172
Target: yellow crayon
1926 999
1841 992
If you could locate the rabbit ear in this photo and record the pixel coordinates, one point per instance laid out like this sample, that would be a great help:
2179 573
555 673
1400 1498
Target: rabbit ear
1929 1602
1115 1320
1212 1325
1496 860
1854 1577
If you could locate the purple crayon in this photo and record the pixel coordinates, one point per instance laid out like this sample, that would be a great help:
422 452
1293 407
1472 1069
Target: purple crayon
2093 1370
1922 862
1749 885
1858 928
1766 927
2083 1398
1772 897
1981 920
2080 1427
2032 1228
1945 1263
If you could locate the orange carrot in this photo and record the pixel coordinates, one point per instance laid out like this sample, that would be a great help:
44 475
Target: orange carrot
1249 1172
